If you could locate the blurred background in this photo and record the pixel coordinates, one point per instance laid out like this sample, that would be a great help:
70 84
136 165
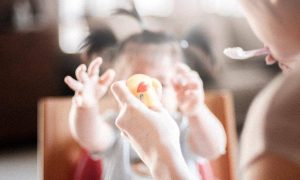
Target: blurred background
40 44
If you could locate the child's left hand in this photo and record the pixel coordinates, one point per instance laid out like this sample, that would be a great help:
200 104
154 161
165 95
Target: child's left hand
189 88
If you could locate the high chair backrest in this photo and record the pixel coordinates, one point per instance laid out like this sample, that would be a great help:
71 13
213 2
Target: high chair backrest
58 153
57 150
221 104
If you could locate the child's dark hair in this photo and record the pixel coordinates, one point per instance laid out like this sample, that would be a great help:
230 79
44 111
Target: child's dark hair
148 37
103 38
99 40
199 54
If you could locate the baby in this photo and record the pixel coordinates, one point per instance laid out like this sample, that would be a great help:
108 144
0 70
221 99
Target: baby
93 114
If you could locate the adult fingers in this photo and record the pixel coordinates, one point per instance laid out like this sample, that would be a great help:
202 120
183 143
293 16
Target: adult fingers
73 84
158 107
123 95
94 67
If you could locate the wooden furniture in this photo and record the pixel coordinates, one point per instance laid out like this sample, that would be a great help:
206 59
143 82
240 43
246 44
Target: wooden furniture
221 104
58 152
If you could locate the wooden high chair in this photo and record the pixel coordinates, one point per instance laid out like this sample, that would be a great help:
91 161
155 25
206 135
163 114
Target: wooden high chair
58 153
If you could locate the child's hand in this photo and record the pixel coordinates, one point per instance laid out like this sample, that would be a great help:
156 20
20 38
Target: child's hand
89 87
189 88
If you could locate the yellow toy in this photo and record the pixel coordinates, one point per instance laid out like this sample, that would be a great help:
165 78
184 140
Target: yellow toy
145 88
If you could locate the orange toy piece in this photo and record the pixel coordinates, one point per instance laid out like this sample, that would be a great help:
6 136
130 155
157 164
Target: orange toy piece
145 88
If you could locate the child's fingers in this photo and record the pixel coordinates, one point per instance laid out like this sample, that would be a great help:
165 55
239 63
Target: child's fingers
195 77
94 67
180 95
190 98
190 80
184 71
182 68
73 84
78 70
194 81
182 74
190 107
191 95
175 83
191 85
107 78
81 74
187 95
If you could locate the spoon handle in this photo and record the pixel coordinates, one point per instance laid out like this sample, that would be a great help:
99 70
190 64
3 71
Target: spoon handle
260 52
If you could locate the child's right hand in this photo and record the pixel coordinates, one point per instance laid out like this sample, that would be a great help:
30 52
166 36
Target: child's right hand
89 86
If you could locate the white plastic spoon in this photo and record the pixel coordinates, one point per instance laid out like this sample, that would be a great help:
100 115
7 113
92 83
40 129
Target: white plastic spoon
239 54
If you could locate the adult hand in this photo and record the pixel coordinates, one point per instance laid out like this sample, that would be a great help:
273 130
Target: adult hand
152 133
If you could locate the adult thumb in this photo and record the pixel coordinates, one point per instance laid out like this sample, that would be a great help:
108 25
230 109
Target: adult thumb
122 93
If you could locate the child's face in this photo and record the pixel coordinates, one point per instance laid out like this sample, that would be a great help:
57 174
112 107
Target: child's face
154 61
276 23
